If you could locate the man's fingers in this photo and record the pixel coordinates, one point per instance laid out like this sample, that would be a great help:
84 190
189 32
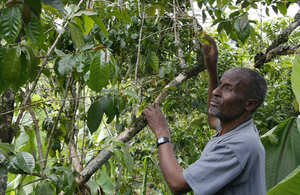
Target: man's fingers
210 40
206 48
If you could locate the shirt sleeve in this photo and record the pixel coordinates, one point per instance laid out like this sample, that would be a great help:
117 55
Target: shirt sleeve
213 171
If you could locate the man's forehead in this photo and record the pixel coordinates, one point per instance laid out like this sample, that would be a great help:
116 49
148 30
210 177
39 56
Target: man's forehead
235 76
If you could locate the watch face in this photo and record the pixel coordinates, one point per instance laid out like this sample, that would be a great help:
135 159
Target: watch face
162 140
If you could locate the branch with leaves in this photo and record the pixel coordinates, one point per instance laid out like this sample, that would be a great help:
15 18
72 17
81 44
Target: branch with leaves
261 58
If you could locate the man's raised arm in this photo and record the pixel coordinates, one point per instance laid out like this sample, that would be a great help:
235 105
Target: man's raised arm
211 64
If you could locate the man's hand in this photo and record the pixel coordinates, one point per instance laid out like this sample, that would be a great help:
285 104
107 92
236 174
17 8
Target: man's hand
210 53
156 120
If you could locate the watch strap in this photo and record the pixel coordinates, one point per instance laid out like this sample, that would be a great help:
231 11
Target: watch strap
162 140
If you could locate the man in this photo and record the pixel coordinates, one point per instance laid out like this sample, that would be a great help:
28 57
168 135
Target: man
233 162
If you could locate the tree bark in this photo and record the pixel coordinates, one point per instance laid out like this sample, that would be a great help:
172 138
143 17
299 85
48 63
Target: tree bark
7 101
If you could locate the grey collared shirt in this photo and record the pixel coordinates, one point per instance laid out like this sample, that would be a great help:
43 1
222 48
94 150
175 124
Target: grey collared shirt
233 163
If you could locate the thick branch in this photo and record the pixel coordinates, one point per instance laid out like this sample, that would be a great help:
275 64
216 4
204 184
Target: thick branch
282 50
261 58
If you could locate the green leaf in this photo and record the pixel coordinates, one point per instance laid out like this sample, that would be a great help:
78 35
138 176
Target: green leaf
76 34
242 34
7 147
105 183
152 11
111 110
99 72
70 181
131 93
32 60
95 115
79 62
295 78
36 5
45 188
23 75
273 139
25 161
282 7
100 24
88 23
13 166
289 185
55 4
283 158
146 164
65 65
244 21
122 15
118 154
129 164
104 101
34 31
4 85
11 65
10 23
154 61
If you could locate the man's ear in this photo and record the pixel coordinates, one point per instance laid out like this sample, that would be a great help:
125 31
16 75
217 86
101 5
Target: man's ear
251 104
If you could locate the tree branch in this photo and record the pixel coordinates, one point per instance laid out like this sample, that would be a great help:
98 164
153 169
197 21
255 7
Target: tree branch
282 50
261 58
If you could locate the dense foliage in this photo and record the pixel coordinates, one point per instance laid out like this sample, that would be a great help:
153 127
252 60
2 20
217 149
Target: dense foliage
79 73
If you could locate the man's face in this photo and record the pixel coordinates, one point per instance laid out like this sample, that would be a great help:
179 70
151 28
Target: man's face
228 101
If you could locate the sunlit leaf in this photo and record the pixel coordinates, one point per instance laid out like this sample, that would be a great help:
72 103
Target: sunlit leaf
152 11
244 21
76 34
11 65
99 72
88 23
26 161
34 31
10 22
282 7
295 78
100 24
154 61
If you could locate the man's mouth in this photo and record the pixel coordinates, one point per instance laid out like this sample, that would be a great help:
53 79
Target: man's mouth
213 102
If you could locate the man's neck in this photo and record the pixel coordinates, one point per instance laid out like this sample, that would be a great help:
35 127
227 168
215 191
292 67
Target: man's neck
227 126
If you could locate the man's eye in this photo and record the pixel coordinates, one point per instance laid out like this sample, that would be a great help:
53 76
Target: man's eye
228 88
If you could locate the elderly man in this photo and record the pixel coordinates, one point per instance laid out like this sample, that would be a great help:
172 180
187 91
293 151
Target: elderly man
233 162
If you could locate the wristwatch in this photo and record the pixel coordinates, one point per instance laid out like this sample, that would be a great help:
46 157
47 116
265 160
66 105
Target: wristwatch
162 140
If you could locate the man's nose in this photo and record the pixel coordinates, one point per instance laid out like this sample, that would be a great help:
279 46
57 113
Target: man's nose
216 91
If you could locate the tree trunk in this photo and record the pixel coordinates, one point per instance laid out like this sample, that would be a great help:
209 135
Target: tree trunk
7 101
